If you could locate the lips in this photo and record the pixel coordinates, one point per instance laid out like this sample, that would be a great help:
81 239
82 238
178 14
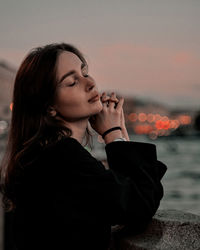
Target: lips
94 98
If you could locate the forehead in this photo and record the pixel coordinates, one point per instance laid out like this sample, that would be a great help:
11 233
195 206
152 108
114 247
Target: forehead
66 62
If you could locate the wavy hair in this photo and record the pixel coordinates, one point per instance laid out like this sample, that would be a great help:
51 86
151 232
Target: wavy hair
31 123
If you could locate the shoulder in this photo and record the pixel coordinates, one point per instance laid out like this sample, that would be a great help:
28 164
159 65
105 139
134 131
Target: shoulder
66 143
68 149
69 155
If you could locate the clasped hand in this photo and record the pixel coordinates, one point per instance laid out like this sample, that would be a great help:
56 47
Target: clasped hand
111 115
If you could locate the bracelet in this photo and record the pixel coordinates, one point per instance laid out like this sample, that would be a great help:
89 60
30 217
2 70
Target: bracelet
120 139
109 130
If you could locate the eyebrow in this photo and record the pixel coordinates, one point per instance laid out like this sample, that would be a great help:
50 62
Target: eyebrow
71 72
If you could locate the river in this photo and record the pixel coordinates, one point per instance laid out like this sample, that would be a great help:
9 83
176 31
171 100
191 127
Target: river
182 180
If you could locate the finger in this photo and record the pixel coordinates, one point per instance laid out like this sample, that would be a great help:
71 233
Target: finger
116 102
111 102
114 99
103 94
120 104
122 114
122 118
105 102
105 97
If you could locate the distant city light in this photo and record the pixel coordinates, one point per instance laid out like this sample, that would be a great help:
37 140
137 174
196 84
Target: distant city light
164 118
133 117
185 119
150 118
157 117
162 124
155 125
3 126
142 117
11 106
143 129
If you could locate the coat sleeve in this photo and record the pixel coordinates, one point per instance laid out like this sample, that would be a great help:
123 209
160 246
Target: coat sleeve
128 193
137 163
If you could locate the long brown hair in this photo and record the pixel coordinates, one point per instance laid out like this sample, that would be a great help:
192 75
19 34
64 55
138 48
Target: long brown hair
34 92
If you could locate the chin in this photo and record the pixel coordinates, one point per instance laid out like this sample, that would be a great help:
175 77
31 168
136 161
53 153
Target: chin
97 109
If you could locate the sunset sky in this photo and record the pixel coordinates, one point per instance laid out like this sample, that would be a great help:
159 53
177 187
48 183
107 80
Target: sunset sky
142 48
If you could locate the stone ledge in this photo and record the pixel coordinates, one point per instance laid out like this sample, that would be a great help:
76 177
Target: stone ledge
168 230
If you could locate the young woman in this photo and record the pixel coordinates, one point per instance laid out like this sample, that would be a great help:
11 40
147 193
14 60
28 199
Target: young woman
59 195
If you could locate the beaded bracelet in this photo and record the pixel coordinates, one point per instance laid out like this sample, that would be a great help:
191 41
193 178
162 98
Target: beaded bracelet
109 130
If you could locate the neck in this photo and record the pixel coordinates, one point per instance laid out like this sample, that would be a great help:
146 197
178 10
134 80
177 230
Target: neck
78 129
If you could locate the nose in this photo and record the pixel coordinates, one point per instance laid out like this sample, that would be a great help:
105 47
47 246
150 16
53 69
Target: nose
90 84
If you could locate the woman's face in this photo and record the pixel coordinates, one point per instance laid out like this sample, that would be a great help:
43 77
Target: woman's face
75 88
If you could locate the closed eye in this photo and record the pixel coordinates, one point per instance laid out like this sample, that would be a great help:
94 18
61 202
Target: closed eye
84 70
72 84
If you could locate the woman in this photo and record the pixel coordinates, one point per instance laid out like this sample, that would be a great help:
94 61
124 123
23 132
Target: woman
59 195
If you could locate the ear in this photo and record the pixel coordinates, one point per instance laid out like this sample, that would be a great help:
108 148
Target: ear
51 111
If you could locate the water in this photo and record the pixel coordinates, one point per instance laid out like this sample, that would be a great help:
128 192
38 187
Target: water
182 179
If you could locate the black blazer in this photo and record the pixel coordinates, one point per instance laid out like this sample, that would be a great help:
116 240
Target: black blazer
67 199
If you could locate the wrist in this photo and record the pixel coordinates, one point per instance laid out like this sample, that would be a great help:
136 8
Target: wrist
125 133
110 130
112 136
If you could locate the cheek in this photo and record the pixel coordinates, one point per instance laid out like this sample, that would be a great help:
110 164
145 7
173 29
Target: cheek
69 102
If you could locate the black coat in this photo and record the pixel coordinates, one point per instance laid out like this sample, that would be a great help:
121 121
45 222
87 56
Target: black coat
67 199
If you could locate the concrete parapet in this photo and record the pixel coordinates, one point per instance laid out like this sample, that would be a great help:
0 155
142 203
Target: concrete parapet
168 230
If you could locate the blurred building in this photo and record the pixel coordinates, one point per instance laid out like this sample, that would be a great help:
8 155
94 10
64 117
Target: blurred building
156 120
7 76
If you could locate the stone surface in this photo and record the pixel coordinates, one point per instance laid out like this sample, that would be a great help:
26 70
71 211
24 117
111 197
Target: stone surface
169 230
